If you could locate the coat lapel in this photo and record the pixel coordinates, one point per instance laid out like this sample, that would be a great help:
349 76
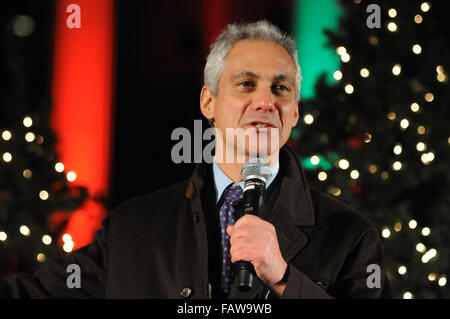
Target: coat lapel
293 208
291 240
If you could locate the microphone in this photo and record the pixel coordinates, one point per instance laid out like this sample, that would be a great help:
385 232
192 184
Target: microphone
256 174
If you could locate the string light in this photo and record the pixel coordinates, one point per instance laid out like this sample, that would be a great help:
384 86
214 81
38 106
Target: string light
40 257
3 236
364 72
373 168
6 135
429 97
7 157
392 26
431 277
71 176
384 175
396 69
354 174
308 119
412 224
39 139
402 270
68 243
404 124
43 194
418 19
349 89
442 281
415 107
425 6
322 176
385 232
24 230
46 239
29 137
343 164
426 231
398 149
66 237
367 138
392 13
59 167
417 49
441 77
420 248
430 254
337 75
397 166
421 146
27 121
398 226
391 116
373 40
426 158
27 174
341 50
335 191
421 130
315 160
408 295
345 57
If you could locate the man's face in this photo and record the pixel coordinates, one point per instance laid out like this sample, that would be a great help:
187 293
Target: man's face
257 89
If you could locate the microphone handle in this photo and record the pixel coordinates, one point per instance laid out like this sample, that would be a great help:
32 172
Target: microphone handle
253 200
245 274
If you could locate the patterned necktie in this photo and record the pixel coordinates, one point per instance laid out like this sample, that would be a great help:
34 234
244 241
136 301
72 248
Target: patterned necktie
232 195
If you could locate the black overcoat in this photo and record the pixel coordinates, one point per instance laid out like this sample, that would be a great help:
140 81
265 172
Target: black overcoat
155 246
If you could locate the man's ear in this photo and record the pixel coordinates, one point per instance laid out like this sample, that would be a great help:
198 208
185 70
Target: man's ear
207 101
296 116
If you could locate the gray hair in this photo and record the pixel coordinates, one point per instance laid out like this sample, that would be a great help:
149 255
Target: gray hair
260 30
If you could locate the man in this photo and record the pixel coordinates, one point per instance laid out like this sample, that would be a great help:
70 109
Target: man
175 243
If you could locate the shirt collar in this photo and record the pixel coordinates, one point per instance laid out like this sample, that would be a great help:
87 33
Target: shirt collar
222 181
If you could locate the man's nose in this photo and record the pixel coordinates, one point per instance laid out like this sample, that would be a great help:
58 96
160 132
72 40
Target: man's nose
264 101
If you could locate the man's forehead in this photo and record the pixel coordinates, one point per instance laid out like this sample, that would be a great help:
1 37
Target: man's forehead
254 58
255 75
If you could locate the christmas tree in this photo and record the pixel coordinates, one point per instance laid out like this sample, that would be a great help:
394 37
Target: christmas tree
36 195
378 137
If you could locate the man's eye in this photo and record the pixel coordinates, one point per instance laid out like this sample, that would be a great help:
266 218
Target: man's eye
279 87
246 84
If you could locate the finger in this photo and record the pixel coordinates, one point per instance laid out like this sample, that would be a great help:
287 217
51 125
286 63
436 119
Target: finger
249 220
241 254
244 239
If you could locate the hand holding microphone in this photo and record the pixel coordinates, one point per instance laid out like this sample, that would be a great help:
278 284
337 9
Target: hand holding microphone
254 243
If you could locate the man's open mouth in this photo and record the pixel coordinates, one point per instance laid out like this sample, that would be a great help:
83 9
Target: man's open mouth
261 125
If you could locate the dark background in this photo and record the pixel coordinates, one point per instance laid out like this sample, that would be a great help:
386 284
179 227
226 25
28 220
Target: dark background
161 53
159 59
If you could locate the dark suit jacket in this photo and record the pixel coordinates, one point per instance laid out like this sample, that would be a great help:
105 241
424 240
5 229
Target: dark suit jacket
155 246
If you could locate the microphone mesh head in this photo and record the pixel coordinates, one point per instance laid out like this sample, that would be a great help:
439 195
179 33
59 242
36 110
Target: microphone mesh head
256 168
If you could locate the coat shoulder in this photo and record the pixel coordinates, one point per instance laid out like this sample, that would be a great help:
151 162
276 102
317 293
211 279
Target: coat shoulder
331 211
168 199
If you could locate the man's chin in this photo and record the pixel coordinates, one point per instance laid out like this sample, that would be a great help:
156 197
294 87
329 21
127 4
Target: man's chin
266 154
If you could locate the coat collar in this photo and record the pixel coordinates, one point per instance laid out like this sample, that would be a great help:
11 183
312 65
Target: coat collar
294 192
292 208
